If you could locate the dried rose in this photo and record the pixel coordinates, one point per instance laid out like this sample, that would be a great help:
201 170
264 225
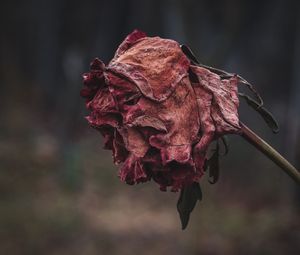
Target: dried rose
159 111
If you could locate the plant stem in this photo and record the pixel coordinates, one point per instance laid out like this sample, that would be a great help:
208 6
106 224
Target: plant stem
270 152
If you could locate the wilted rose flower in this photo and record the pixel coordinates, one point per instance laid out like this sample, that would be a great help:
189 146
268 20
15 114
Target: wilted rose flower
158 112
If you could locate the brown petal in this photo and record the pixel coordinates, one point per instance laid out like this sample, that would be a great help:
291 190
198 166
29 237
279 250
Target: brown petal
132 171
179 153
225 99
155 65
103 102
134 141
148 121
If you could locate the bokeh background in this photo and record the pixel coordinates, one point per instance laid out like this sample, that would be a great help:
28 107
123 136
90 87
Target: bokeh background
59 190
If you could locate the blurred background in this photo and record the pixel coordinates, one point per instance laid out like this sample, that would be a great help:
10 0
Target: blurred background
59 190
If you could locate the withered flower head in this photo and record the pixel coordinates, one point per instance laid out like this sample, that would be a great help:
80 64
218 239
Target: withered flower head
158 112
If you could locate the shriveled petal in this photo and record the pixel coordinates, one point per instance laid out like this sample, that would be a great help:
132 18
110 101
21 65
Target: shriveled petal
103 110
97 120
132 171
103 102
123 90
108 134
176 176
154 64
179 153
207 126
134 141
225 98
149 121
93 80
120 153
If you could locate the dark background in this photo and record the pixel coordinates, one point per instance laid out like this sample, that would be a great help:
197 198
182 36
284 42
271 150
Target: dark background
59 191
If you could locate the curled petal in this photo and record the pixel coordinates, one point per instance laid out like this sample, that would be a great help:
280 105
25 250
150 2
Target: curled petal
134 141
225 98
120 153
180 154
108 134
93 80
97 120
132 171
148 121
121 89
103 102
154 65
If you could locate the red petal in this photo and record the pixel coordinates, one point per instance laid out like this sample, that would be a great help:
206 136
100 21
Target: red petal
120 153
108 134
99 120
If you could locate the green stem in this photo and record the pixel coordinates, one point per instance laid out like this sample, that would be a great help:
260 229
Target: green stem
270 152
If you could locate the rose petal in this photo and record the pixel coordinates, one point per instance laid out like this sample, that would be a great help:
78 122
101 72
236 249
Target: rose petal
132 171
225 98
134 141
155 65
148 121
120 153
180 153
